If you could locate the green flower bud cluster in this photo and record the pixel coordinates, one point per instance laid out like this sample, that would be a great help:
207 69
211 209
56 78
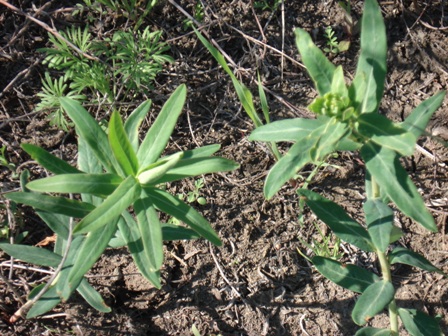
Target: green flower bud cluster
333 105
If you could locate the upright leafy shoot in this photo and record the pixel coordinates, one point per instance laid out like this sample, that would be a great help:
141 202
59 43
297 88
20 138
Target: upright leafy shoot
348 118
116 176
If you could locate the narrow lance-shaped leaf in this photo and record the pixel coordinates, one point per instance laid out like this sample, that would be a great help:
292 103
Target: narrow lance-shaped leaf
401 255
318 66
49 161
385 133
46 303
158 135
285 130
59 205
177 232
337 219
92 297
150 231
133 122
96 184
183 212
89 163
309 149
31 254
126 193
380 223
371 67
194 167
417 121
338 85
51 298
121 146
372 301
129 229
243 93
384 165
155 171
418 323
204 151
92 248
349 276
91 132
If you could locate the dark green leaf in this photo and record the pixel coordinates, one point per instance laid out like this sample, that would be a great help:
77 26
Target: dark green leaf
380 223
369 331
177 232
133 122
49 161
198 166
417 121
337 219
401 255
32 254
183 212
372 301
150 231
97 184
310 149
129 229
318 66
418 323
91 132
158 135
92 297
126 193
121 146
46 303
349 276
285 130
199 152
59 224
384 166
371 67
384 132
59 205
89 252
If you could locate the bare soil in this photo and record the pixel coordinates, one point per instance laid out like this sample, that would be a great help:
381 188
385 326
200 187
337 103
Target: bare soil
256 283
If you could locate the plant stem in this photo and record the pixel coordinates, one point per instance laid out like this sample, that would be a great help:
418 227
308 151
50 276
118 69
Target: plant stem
385 271
387 276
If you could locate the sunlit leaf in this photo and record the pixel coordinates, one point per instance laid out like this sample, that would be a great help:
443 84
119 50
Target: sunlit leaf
372 301
338 220
349 276
318 66
384 165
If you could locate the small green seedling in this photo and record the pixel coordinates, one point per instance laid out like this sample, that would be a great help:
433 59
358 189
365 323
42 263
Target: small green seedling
117 176
348 118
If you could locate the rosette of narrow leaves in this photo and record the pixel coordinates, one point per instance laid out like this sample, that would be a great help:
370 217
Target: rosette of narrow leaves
348 119
116 176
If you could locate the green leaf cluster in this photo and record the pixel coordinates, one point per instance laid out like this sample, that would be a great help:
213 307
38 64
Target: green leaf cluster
117 175
128 62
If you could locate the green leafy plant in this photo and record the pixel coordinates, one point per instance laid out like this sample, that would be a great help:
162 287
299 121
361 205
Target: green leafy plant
332 41
333 45
116 175
348 118
266 5
52 90
128 60
198 15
